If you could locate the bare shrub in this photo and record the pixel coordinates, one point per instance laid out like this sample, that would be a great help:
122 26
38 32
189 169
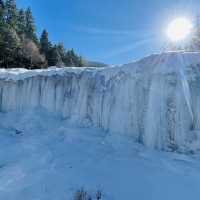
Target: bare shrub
84 195
98 195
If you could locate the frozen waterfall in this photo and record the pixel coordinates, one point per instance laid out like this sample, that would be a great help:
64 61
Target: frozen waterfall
155 100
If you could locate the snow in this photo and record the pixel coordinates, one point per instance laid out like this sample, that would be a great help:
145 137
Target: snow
21 73
50 159
154 100
101 129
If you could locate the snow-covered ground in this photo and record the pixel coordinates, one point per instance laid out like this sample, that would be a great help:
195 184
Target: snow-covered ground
49 159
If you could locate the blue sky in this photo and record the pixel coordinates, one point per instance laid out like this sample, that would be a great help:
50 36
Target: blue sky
111 31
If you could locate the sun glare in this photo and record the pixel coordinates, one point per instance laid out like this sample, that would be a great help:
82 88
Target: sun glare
179 29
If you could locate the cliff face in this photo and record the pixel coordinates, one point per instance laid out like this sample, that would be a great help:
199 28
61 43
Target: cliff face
155 100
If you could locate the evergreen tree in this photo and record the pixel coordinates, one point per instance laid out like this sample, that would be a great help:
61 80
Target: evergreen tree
71 59
1 46
30 26
44 43
53 57
11 13
1 4
11 48
61 50
1 31
21 22
81 62
1 12
1 28
19 43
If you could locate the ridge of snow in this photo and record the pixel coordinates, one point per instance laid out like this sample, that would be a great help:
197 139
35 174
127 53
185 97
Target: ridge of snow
162 63
22 73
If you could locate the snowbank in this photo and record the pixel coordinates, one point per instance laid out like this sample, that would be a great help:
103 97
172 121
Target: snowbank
154 100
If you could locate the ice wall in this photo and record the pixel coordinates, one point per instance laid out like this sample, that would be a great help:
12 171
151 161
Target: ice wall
149 100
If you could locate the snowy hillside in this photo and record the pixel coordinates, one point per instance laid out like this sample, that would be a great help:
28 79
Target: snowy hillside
155 100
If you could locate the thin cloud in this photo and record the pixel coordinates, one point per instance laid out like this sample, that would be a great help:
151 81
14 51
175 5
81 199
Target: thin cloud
109 32
129 47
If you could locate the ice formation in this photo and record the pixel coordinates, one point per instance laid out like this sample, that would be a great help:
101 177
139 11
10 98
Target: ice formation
155 100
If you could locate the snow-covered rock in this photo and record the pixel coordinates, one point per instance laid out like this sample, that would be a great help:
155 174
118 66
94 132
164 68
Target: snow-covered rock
155 100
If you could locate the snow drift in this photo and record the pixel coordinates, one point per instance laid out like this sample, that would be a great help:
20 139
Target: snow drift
155 100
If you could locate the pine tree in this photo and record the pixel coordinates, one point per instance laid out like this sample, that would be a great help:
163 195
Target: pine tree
2 24
61 50
44 43
30 26
1 30
71 59
21 22
54 58
11 48
1 46
1 4
19 45
81 62
11 13
1 12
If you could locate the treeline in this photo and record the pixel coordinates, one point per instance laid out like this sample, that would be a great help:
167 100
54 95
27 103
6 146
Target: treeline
20 46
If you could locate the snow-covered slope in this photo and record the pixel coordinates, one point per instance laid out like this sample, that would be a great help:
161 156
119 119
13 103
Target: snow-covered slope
155 100
51 160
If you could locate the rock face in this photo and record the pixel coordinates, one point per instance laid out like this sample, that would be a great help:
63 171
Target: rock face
156 100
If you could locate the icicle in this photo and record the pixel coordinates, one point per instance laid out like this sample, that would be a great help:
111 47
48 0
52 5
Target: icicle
186 88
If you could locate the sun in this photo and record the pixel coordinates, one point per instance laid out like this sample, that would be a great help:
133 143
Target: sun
179 29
